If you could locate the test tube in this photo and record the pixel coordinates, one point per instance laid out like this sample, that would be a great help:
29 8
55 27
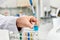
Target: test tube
28 38
20 34
28 34
31 38
34 14
20 38
31 34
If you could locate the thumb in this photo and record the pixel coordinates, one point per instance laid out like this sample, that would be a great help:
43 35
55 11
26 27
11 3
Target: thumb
31 25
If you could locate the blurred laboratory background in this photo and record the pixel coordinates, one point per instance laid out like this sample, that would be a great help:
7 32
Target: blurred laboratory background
13 7
45 10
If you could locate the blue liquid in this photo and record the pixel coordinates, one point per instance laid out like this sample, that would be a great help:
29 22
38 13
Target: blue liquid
31 2
35 28
28 38
28 34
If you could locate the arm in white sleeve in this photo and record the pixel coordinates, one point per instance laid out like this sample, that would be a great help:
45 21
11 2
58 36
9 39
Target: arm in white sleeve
8 22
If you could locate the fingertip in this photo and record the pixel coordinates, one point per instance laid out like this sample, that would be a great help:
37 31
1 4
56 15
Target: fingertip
35 20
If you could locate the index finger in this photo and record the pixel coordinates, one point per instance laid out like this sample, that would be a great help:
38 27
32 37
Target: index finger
32 19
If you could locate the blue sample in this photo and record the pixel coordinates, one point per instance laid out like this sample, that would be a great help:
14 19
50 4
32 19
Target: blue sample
28 34
34 14
28 38
35 28
17 15
31 2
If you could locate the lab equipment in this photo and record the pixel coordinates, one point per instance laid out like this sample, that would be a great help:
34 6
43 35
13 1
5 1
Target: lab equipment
34 14
32 7
29 34
58 12
35 28
40 9
47 12
55 12
54 4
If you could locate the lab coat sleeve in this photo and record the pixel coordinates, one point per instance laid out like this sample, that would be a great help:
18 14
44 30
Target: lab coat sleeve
8 22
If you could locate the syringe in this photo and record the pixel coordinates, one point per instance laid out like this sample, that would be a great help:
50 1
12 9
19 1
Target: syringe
34 14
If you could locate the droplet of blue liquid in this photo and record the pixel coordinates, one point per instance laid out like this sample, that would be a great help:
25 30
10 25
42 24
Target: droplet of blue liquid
35 28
